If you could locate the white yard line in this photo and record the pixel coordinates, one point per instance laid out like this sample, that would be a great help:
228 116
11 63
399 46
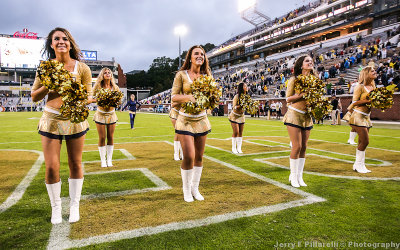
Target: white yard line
19 191
59 236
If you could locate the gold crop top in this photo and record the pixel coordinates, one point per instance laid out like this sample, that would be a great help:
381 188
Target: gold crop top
235 101
361 93
300 104
82 74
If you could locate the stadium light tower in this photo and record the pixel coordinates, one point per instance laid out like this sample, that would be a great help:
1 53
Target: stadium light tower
248 11
180 30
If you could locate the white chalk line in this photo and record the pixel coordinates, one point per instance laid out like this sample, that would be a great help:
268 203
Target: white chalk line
341 143
266 161
19 191
59 235
382 164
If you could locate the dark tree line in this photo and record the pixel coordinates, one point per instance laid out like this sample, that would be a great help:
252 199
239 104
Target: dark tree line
160 74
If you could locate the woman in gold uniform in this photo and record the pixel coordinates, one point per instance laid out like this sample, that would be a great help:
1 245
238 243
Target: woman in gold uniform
53 127
359 119
105 118
298 123
237 119
173 115
192 129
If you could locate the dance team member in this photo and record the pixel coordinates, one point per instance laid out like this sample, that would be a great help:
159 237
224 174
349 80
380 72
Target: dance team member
298 123
237 119
173 115
105 118
360 118
53 127
192 129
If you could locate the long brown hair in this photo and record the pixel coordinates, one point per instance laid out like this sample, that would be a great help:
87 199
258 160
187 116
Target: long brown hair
204 69
298 65
74 53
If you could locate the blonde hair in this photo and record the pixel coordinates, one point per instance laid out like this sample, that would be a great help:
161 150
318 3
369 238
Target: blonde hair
363 77
100 81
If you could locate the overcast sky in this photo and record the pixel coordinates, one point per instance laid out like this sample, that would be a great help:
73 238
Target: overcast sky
135 32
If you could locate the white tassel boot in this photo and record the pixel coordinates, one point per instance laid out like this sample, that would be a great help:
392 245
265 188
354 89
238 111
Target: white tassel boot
351 138
293 173
176 150
102 151
359 163
234 144
300 168
75 190
239 141
180 150
54 191
187 176
110 150
195 183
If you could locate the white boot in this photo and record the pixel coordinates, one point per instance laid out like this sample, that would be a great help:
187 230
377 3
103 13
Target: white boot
176 150
187 176
234 143
195 183
363 163
359 163
75 189
180 150
351 138
54 191
293 173
102 151
300 168
239 141
110 150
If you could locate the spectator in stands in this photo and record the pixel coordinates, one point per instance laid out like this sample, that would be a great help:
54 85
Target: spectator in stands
53 127
105 118
132 106
192 129
298 123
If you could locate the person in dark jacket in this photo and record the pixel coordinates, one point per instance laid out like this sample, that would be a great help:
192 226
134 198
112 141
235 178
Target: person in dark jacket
132 104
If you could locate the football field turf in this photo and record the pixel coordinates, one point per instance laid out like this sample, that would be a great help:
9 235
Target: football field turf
249 202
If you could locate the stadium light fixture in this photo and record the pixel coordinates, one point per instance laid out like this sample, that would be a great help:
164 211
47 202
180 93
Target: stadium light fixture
246 4
180 30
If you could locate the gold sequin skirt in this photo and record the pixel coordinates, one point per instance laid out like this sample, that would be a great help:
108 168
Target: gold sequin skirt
347 116
296 119
56 126
194 126
360 120
105 118
173 114
236 118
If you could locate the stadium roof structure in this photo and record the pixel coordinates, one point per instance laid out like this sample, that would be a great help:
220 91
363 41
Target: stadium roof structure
252 15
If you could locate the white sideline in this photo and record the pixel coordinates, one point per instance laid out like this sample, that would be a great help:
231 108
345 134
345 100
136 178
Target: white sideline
19 191
59 234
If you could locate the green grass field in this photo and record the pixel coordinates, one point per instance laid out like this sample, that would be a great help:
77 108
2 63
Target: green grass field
249 203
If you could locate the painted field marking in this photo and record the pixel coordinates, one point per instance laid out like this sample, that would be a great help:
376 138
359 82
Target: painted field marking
160 184
266 161
382 164
59 235
19 191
